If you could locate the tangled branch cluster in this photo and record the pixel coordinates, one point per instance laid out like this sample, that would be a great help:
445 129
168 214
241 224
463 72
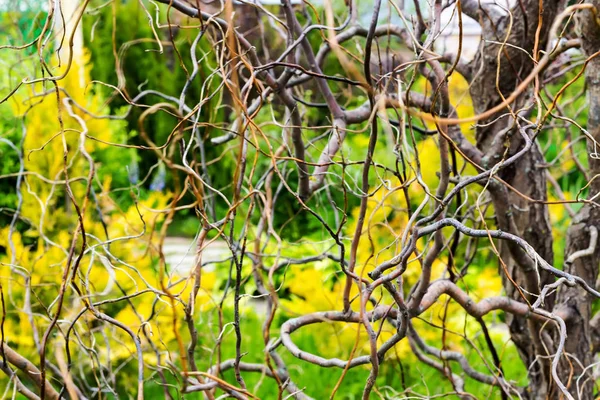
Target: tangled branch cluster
490 192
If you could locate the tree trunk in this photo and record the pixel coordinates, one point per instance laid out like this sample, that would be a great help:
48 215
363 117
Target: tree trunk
574 301
499 138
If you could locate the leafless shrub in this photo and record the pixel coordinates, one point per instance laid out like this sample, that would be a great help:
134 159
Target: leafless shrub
491 191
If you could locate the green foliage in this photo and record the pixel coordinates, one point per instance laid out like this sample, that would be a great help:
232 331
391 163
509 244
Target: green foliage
15 28
134 62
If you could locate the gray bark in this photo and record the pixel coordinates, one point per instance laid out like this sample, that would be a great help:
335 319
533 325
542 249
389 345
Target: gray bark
498 139
575 301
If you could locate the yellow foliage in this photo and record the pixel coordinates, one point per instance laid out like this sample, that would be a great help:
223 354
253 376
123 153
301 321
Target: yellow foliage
58 133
